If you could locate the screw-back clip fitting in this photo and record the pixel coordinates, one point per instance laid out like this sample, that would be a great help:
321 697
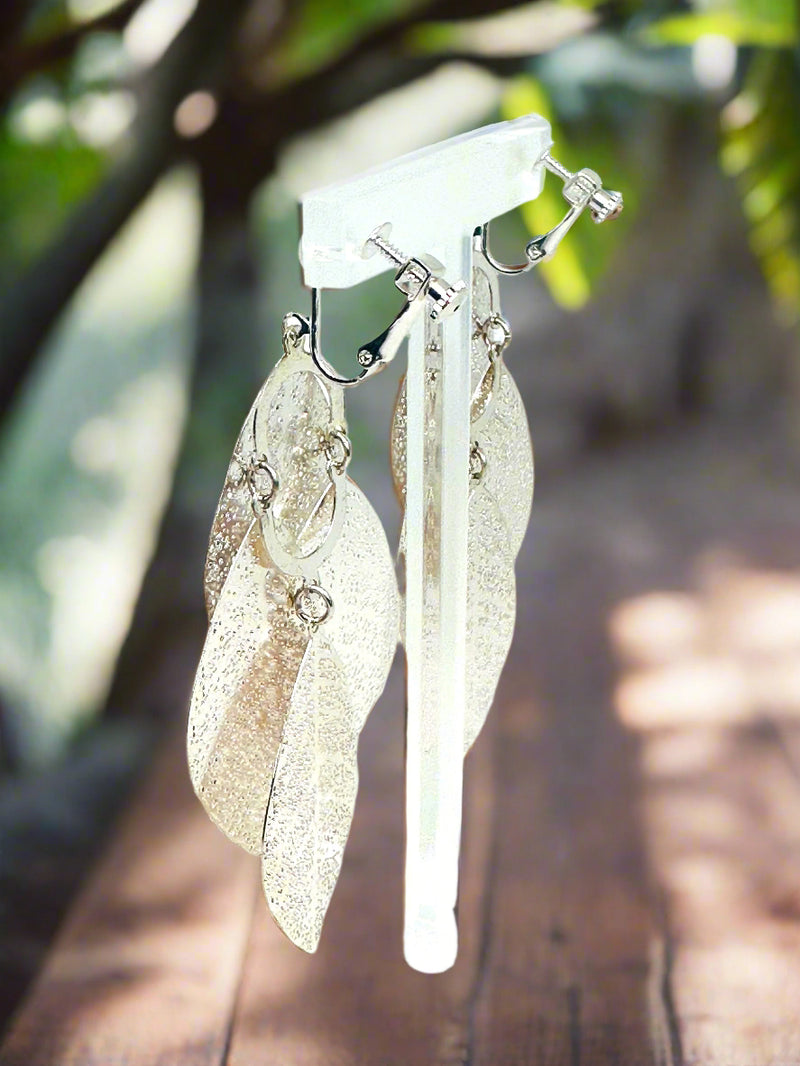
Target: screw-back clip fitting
603 203
417 280
581 190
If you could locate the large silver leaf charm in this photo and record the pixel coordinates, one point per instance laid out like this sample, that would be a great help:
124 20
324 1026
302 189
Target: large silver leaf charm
342 675
491 608
499 507
254 694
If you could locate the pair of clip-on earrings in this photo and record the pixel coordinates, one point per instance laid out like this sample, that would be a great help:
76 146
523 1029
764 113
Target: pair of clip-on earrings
301 588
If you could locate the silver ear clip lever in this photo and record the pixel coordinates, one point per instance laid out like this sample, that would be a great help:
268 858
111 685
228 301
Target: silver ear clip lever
419 280
581 190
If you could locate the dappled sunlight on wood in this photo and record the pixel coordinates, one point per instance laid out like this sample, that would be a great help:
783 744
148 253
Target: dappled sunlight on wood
656 627
725 654
693 690
680 751
757 611
711 683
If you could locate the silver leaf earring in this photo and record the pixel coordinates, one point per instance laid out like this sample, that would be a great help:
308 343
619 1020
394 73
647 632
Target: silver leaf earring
501 490
298 560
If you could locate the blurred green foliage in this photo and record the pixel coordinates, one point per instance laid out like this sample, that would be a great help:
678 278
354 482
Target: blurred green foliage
40 184
582 260
85 470
760 127
597 73
761 23
320 30
761 149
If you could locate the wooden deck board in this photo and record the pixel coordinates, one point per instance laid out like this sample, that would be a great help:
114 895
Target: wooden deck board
732 870
147 965
631 871
570 929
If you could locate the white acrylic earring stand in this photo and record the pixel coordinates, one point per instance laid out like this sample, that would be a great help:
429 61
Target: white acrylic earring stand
434 199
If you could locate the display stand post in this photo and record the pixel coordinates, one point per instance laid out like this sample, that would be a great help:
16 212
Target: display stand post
434 199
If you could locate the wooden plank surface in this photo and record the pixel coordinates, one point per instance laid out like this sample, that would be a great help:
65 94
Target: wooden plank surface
147 965
631 873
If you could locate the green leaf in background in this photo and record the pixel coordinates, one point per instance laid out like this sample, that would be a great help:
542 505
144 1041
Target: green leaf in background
565 274
761 150
321 29
583 256
761 23
39 186
47 18
523 30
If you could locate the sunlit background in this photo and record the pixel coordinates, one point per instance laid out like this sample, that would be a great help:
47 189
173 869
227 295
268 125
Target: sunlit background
152 153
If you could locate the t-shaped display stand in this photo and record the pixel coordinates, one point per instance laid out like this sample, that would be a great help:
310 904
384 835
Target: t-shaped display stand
435 199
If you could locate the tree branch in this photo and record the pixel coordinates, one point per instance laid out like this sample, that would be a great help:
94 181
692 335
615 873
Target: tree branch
31 306
19 60
12 17
372 66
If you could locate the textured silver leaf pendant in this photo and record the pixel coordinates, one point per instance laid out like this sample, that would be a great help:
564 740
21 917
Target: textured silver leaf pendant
341 677
501 494
252 655
499 423
298 566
